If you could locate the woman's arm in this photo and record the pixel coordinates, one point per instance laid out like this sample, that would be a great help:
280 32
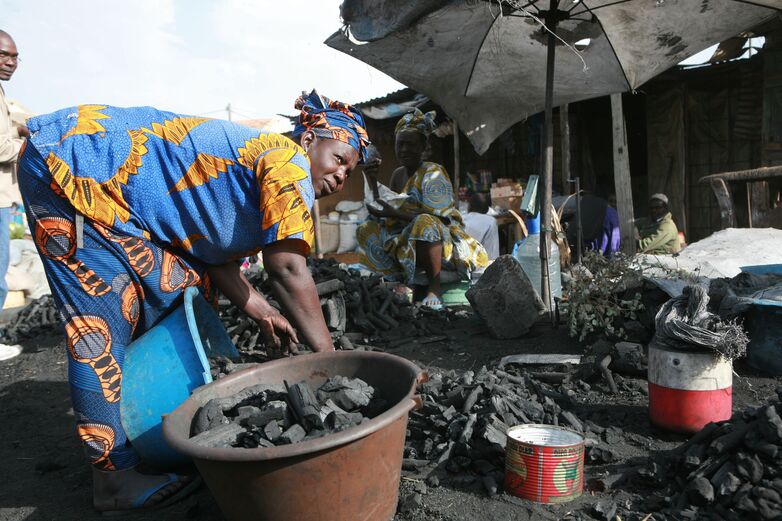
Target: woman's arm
277 331
292 283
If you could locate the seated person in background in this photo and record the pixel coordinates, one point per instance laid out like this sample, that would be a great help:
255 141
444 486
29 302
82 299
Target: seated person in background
599 223
426 230
658 233
482 227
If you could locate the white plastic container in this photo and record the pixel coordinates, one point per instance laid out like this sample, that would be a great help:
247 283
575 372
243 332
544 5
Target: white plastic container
527 254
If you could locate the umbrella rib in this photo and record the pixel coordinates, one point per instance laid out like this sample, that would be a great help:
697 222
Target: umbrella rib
477 53
592 10
750 2
613 49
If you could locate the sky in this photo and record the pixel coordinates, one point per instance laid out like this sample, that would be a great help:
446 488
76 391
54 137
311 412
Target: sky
189 56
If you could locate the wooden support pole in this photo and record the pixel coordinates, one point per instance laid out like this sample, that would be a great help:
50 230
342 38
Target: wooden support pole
457 171
564 130
622 181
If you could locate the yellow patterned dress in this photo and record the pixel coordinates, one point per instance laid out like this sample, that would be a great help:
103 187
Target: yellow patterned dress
388 245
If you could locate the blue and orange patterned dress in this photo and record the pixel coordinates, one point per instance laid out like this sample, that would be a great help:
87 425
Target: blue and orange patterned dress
127 207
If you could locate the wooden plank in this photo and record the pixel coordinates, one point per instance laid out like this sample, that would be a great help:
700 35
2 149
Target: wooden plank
760 207
564 130
622 181
753 174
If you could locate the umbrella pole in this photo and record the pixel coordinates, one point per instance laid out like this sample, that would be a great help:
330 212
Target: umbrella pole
548 168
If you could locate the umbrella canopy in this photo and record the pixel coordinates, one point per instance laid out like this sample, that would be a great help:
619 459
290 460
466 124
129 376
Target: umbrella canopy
484 61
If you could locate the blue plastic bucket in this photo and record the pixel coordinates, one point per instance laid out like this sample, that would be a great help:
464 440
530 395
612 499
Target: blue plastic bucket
162 368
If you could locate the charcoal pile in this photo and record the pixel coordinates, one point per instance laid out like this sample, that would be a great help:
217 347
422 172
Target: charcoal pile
459 433
731 470
361 312
272 415
39 316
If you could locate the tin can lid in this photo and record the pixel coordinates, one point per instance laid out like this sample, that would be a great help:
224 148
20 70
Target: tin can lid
545 435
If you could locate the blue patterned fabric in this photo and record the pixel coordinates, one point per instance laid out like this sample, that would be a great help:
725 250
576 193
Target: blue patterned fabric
211 188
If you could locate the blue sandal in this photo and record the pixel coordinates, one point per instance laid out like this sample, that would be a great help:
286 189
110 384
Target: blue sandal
432 302
139 503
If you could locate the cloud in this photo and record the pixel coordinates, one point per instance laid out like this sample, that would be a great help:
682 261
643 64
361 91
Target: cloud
187 56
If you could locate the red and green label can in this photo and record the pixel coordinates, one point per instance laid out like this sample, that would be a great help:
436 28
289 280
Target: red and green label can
544 463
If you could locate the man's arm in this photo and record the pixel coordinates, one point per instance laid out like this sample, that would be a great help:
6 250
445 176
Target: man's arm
9 147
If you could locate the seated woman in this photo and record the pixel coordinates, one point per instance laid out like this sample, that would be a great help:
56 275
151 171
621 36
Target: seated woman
426 229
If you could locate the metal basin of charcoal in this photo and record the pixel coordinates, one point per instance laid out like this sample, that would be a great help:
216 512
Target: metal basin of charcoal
353 474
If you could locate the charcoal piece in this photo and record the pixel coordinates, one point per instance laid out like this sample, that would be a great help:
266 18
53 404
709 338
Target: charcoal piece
316 433
411 464
222 436
432 387
749 468
245 411
472 399
492 434
376 407
294 434
466 435
700 492
613 435
770 425
305 405
605 509
253 395
209 416
482 466
605 483
490 485
727 442
452 467
593 427
767 494
411 503
768 510
329 286
337 421
433 481
348 393
570 419
727 485
272 431
272 411
449 413
455 428
600 456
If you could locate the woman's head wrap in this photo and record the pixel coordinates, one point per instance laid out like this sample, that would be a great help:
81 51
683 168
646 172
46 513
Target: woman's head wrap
333 120
417 121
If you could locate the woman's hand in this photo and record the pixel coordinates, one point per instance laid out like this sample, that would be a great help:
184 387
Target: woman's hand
278 334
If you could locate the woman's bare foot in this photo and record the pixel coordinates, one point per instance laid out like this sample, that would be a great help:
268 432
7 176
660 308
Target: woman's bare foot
123 490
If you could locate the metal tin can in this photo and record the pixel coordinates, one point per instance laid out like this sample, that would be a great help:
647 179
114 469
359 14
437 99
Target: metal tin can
544 463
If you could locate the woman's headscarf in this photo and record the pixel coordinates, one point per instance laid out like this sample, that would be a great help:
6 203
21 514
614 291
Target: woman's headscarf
417 121
333 120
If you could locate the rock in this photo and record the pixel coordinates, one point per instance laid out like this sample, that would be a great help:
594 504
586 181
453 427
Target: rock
505 299
700 492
